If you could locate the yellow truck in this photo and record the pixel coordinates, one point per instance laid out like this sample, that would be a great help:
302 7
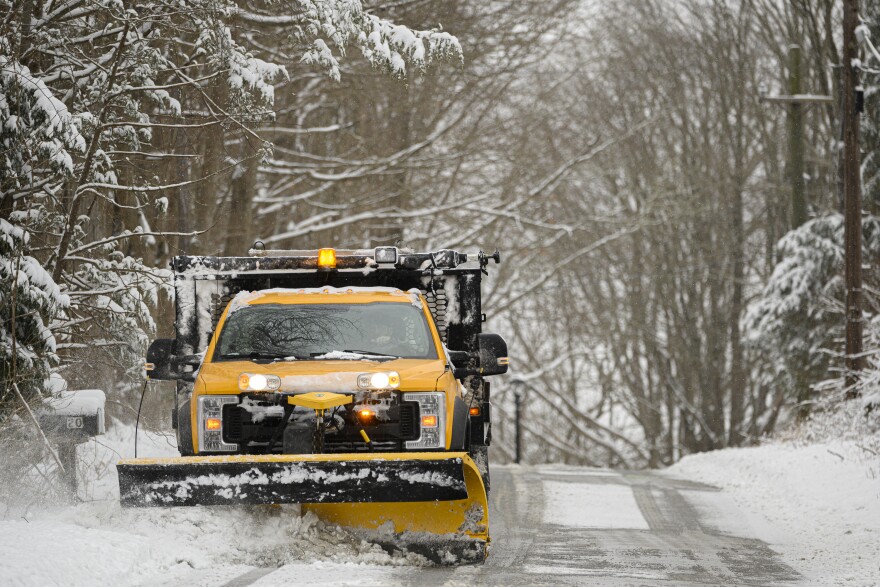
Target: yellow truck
351 382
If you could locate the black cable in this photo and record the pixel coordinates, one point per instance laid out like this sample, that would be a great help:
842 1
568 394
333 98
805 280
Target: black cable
138 421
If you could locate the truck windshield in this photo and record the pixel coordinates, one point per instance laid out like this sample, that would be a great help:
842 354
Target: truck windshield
326 331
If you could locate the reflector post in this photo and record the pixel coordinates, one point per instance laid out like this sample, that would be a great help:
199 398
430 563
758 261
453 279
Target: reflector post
327 259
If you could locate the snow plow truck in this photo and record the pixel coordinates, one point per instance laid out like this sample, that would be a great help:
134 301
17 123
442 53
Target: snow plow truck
352 382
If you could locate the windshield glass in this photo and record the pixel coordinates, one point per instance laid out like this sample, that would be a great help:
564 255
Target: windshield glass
311 331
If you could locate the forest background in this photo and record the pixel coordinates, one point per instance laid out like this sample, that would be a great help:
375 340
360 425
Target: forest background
659 292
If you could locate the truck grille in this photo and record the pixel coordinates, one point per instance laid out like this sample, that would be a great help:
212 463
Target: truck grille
254 435
232 424
409 420
349 446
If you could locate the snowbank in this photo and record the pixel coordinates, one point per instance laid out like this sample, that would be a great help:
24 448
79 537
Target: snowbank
820 502
99 543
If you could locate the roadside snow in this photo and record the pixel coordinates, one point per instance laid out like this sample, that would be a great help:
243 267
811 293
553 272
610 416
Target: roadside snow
820 503
100 543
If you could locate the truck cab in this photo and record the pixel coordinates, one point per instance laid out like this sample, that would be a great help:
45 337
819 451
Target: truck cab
381 344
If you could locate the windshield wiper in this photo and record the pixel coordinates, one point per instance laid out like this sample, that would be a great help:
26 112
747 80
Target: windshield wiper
258 355
371 353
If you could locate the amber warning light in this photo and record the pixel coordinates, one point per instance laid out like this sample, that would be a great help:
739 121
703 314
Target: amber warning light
326 259
429 421
212 424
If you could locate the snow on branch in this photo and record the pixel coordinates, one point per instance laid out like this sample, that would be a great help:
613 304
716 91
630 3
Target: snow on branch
34 123
384 44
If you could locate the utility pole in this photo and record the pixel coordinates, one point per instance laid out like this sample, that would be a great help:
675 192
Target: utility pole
796 100
796 140
852 197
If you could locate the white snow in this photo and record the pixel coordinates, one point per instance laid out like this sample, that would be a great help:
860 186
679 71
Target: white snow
589 505
100 543
348 356
82 402
818 505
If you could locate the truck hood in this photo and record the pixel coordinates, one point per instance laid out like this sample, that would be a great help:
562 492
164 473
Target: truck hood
320 375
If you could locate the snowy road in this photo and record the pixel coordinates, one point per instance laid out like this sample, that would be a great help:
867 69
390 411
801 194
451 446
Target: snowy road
554 525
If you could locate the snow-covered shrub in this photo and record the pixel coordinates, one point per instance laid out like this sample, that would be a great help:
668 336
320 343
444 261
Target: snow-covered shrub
797 320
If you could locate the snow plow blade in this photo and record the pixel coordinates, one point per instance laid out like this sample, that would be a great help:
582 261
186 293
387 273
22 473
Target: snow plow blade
276 479
430 503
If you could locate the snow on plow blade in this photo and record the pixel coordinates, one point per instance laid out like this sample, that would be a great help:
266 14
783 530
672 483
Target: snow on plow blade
276 479
432 504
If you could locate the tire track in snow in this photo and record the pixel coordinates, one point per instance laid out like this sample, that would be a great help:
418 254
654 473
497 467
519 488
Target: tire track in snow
250 577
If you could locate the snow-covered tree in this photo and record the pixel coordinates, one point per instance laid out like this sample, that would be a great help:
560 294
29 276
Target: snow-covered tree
98 104
797 320
29 301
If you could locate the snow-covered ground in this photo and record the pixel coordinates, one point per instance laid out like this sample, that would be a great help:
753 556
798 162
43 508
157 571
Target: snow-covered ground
814 497
815 501
99 543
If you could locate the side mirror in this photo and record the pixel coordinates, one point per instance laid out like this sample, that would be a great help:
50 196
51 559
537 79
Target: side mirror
159 356
493 354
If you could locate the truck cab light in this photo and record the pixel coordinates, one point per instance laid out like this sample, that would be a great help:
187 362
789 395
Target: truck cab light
474 411
385 255
327 259
212 424
366 414
429 421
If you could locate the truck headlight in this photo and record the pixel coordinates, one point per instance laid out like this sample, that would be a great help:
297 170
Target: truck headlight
432 420
380 380
210 422
258 382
